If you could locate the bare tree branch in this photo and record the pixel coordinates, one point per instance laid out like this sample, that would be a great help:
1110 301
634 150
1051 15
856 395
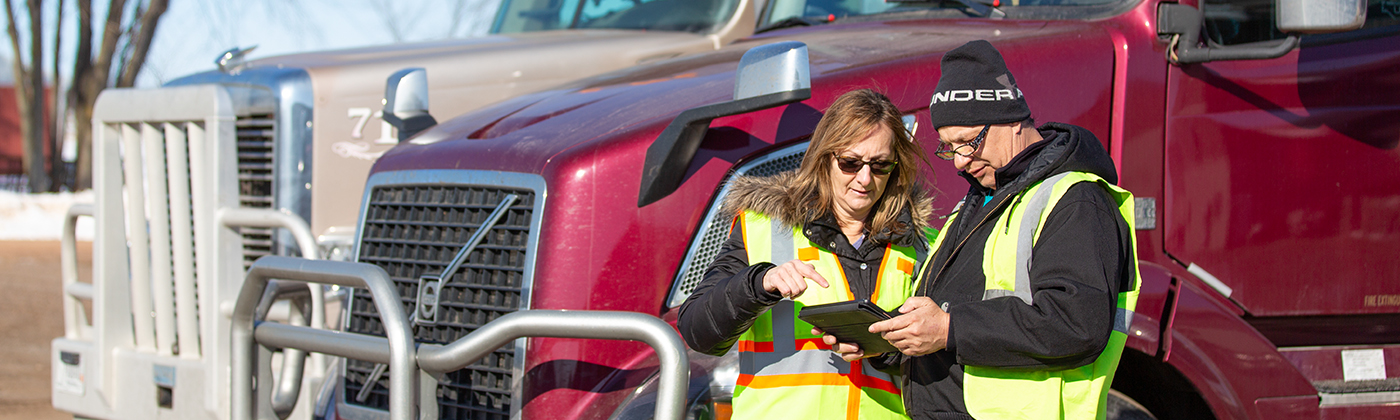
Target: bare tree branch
111 33
35 97
14 39
90 78
29 92
293 16
82 60
456 17
57 172
141 42
82 68
124 55
469 10
78 99
385 10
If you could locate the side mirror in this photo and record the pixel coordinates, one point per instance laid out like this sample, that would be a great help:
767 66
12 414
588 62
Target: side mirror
1183 23
772 68
1317 16
769 76
406 102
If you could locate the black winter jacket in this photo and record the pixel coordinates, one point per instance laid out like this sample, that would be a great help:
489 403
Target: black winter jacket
1080 262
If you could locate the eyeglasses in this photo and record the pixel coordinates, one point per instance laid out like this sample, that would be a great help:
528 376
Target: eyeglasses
947 150
852 165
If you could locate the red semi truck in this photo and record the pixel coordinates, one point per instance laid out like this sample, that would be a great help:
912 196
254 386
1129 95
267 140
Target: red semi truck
1264 163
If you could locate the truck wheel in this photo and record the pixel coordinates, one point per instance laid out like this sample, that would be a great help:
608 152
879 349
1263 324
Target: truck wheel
1123 407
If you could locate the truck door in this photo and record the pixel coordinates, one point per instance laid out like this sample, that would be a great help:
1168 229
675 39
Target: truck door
1283 175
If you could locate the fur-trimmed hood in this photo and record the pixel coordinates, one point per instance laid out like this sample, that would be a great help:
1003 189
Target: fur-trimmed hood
778 197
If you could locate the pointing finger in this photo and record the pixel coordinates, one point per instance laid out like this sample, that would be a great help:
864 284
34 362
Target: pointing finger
808 271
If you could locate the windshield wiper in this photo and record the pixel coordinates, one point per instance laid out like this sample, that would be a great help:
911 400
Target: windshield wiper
976 7
793 22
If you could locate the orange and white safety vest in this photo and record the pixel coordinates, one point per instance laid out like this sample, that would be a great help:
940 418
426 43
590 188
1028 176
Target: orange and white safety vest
787 372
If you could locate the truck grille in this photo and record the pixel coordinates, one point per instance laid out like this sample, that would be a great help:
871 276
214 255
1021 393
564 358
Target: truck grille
411 231
255 134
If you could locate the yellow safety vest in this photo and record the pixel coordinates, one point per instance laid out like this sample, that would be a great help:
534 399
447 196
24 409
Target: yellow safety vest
1079 393
787 372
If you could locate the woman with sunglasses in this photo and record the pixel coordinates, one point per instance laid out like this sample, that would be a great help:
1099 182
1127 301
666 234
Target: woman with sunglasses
849 224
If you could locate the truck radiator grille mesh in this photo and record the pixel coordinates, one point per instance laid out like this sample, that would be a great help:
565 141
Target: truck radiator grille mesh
255 135
715 229
411 231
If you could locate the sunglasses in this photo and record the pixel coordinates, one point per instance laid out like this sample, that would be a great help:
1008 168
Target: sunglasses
851 165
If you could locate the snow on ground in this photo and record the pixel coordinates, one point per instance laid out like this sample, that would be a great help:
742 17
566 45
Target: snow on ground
39 217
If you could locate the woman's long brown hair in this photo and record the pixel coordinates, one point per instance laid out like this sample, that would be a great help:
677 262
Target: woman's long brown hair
845 123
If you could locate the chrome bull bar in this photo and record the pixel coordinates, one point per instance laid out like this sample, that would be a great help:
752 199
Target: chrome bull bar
398 350
246 323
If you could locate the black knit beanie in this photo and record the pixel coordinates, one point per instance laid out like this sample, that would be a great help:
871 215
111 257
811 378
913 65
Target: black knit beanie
976 89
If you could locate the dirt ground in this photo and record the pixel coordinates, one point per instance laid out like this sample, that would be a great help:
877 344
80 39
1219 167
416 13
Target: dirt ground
30 316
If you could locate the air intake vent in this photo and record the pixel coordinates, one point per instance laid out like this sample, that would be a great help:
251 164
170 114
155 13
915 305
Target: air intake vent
715 228
411 231
255 134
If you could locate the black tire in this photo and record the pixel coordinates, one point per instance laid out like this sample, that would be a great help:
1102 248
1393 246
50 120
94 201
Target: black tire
1123 407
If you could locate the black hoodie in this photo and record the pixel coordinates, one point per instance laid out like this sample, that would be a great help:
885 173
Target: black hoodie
1080 262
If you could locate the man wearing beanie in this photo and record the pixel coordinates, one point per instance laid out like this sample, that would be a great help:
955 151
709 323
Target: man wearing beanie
1022 309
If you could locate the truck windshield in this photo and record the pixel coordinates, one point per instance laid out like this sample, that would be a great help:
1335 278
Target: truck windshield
696 16
786 12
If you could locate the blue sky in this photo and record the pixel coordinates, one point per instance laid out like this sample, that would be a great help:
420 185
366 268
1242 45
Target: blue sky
193 32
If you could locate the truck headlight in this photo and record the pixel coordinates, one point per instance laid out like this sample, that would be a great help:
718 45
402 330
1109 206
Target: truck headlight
708 396
337 244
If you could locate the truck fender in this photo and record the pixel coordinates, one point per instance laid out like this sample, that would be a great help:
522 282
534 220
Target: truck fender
1154 295
1223 358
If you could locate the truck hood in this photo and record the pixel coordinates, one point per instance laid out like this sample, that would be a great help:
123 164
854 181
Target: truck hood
347 89
899 57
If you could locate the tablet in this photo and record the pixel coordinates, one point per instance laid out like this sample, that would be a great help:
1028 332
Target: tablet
850 322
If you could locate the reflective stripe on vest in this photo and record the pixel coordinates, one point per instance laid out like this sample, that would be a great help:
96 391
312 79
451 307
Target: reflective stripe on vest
785 370
1079 393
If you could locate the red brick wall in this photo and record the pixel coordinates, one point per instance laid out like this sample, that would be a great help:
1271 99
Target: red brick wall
11 144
